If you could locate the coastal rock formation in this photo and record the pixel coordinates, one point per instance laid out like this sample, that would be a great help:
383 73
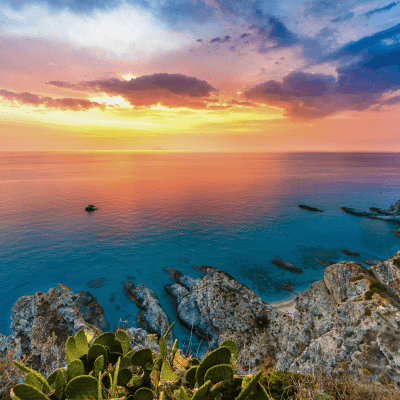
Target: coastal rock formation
42 323
391 210
151 316
349 320
305 207
286 265
384 217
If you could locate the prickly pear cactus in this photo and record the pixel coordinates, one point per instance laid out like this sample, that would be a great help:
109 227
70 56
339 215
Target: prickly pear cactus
250 387
82 388
232 346
218 373
222 355
202 393
27 392
75 368
144 394
142 357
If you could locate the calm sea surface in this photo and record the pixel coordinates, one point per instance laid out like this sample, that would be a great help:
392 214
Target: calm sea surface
232 211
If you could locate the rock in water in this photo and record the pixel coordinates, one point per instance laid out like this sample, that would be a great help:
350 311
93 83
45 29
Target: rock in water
151 316
351 253
286 265
322 262
287 287
303 206
42 323
90 208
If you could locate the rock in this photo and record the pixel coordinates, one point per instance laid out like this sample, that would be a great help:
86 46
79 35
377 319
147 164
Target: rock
333 325
218 307
322 262
351 253
391 210
96 283
184 260
140 338
42 323
364 214
371 262
397 235
151 316
332 262
286 265
309 208
90 208
287 287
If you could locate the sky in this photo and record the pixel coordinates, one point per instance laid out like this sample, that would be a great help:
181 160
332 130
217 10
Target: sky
200 75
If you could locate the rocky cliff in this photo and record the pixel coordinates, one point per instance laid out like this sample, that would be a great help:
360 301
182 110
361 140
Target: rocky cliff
349 320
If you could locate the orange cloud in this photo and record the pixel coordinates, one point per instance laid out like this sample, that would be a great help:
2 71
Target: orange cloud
49 102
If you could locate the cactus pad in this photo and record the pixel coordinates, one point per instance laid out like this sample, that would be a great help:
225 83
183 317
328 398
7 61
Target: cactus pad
232 346
97 350
105 339
250 387
32 380
222 355
162 347
169 330
28 392
167 373
123 337
144 394
81 343
218 373
191 375
75 368
203 391
124 376
82 388
142 357
98 365
45 386
59 385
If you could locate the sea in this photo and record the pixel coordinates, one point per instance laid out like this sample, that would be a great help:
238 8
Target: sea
160 209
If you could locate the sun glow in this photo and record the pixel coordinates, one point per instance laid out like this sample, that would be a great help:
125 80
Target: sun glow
128 76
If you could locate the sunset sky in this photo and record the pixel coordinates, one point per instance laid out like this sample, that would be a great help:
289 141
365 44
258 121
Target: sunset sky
217 75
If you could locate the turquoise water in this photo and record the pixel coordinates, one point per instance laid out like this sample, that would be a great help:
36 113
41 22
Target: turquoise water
233 211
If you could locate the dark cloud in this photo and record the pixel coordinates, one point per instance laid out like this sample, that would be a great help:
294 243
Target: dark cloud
49 102
221 40
171 90
368 69
258 15
380 10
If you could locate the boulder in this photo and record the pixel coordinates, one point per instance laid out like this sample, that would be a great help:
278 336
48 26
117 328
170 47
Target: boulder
91 208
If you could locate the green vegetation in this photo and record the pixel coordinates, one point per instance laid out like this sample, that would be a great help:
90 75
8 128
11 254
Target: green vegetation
374 287
396 262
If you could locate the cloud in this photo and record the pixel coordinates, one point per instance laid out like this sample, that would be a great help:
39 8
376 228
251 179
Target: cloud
342 18
220 40
380 10
266 28
367 69
171 90
49 102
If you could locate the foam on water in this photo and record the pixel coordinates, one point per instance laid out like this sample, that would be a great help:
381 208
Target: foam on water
233 211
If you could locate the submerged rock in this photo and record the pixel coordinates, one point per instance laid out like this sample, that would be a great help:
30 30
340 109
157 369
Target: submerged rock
42 323
287 287
351 253
303 206
322 262
151 316
286 265
96 283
